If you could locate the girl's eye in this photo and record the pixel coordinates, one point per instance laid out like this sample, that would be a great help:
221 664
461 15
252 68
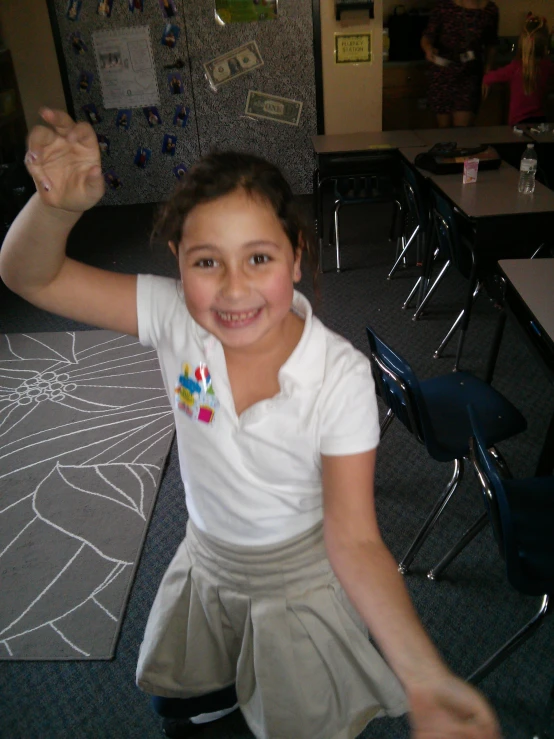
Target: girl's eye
259 259
206 263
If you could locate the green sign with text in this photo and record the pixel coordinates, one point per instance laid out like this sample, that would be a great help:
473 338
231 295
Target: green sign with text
352 48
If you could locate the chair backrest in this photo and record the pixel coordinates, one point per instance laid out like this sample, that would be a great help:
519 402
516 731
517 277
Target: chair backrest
416 194
398 386
450 242
356 188
508 522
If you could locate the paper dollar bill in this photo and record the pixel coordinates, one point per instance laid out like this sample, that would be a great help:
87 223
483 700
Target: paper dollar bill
231 65
282 110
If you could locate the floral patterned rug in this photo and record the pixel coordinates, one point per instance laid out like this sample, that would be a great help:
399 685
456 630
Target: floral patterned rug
85 427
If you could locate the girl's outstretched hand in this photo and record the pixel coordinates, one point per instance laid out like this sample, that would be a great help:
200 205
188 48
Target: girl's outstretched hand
64 161
451 709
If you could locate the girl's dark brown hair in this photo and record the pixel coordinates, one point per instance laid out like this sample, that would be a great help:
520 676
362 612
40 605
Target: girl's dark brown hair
221 173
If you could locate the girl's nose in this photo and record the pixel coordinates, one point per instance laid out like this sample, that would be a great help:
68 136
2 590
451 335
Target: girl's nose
235 283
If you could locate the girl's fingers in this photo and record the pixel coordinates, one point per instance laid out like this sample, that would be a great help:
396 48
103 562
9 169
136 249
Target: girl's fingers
40 137
35 170
61 122
82 133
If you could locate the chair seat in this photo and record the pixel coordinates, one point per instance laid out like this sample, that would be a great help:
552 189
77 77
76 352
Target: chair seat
531 503
449 420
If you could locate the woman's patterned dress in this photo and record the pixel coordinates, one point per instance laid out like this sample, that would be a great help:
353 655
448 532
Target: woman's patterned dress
454 30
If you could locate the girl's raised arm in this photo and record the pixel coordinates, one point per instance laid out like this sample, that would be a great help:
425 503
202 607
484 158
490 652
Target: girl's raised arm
441 704
64 162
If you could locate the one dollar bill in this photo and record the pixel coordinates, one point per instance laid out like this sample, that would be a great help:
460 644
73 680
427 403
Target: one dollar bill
282 110
231 65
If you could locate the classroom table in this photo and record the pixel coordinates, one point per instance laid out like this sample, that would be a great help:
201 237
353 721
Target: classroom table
496 220
471 135
493 205
350 154
340 143
529 300
547 137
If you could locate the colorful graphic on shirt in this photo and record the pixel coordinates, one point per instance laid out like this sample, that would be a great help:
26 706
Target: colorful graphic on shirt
194 393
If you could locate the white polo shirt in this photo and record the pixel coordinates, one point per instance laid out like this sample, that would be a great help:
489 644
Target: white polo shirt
255 479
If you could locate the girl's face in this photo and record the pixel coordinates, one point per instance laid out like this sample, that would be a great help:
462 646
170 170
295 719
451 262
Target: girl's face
237 269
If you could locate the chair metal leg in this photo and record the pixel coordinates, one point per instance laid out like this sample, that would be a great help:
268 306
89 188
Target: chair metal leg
401 256
413 291
430 254
537 251
522 635
449 335
453 328
468 536
419 285
429 294
387 420
474 288
500 462
433 516
337 241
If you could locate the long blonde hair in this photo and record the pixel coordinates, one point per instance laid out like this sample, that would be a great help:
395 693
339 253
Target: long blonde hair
532 47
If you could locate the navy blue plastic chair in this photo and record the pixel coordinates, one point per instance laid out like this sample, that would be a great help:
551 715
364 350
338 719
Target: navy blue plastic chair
457 252
435 412
416 221
521 513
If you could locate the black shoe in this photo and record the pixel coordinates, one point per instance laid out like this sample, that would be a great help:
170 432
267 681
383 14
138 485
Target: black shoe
181 728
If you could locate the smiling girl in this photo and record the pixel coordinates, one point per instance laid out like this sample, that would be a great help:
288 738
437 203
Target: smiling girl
282 571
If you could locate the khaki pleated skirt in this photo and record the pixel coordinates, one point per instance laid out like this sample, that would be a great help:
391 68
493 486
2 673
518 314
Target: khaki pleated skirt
275 621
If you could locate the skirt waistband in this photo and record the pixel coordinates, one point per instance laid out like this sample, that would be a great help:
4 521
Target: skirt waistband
266 567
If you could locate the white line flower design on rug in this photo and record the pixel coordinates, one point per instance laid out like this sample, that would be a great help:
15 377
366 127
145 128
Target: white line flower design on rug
85 428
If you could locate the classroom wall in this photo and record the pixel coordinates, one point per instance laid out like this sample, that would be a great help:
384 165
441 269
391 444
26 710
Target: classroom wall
512 14
351 92
26 31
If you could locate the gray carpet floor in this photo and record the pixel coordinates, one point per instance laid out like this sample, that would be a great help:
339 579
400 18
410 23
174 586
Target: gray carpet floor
469 613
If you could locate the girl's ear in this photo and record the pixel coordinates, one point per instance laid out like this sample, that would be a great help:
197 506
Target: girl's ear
174 249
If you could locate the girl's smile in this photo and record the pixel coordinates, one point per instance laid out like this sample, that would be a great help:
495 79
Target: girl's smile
238 270
238 320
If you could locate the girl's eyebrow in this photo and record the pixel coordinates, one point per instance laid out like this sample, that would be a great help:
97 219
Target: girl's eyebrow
198 247
262 242
247 245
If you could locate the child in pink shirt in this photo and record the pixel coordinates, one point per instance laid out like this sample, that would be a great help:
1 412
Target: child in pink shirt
530 75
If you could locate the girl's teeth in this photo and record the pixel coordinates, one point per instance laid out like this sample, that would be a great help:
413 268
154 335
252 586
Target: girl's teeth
237 316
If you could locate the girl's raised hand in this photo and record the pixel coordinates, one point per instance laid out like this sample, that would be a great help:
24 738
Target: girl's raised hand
64 161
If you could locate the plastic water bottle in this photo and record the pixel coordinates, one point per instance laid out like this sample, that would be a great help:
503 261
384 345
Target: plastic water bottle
528 170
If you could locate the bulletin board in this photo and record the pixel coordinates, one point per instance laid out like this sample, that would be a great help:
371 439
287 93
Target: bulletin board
162 82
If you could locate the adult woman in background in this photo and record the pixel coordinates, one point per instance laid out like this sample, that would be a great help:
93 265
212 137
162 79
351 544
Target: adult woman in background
459 42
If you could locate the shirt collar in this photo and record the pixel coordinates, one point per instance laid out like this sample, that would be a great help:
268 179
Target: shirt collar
305 366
